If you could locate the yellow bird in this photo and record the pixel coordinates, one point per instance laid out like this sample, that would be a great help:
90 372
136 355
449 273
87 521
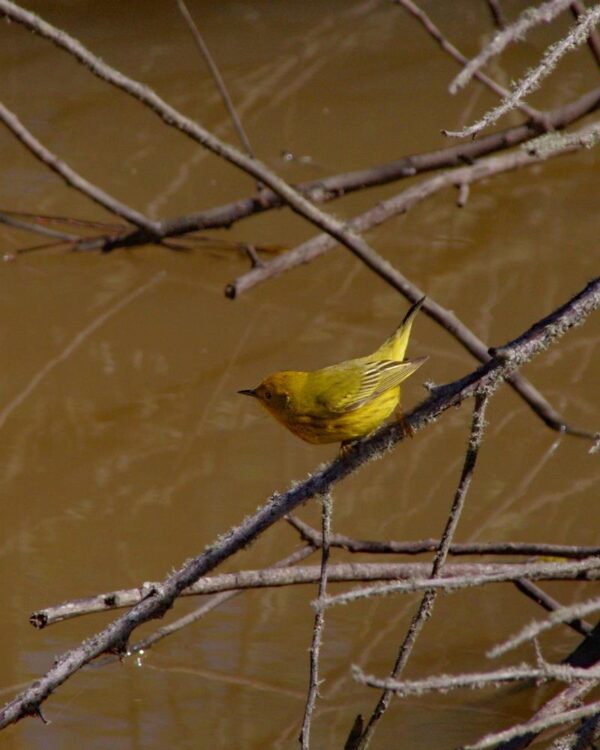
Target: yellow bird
342 402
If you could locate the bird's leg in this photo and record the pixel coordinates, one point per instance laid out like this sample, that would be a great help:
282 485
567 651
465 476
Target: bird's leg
404 423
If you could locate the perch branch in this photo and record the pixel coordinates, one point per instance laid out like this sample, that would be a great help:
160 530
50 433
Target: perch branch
115 636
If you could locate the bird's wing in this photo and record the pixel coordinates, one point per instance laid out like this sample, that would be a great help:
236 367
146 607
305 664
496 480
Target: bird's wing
360 382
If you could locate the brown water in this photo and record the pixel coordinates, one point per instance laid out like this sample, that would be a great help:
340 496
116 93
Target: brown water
124 446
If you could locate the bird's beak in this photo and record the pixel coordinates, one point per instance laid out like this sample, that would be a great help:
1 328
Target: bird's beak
248 392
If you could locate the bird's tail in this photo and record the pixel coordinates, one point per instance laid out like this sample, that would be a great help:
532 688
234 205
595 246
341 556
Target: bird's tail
395 347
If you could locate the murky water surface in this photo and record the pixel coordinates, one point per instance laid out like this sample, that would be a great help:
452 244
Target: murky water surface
124 448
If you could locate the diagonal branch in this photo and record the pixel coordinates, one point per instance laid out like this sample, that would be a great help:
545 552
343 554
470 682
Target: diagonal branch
533 114
216 74
71 177
577 36
397 204
114 637
428 601
578 9
315 646
517 31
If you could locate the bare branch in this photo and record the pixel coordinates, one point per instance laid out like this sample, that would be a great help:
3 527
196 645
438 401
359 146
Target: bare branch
335 186
577 36
428 601
216 74
517 31
12 221
276 576
115 636
588 568
478 680
533 114
578 9
565 717
197 614
70 176
431 545
315 646
539 596
563 614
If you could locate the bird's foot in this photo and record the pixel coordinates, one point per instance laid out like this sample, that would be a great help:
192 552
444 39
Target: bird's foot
407 430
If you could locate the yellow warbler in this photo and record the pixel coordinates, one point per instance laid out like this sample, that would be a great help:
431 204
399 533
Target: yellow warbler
342 402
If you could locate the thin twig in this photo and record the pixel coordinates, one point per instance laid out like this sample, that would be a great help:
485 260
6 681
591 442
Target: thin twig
577 36
593 40
11 221
533 114
564 717
445 683
497 14
206 607
422 546
114 637
563 614
516 32
539 596
216 74
319 625
428 600
582 738
570 696
588 570
71 177
452 576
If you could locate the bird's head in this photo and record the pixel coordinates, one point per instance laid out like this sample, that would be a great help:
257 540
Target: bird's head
274 393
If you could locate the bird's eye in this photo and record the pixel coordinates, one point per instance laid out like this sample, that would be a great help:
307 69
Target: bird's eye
268 395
